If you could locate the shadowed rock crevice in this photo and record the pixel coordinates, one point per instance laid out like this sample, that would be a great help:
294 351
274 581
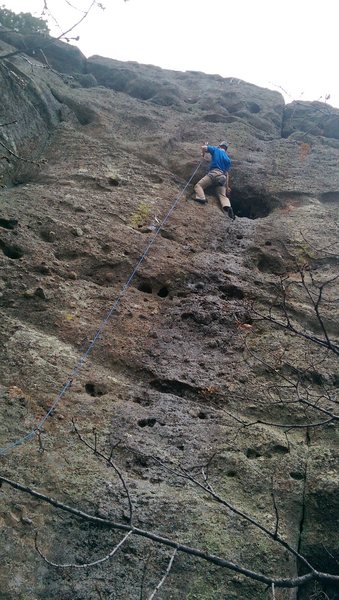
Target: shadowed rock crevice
175 387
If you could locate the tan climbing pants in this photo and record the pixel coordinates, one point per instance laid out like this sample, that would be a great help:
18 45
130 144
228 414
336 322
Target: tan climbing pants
209 180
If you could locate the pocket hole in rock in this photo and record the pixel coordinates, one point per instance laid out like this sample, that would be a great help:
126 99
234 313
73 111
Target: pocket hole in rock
251 453
13 252
297 476
163 292
95 389
202 415
8 223
145 287
231 473
150 422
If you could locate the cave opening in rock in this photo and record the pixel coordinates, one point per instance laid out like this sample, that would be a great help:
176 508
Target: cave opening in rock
252 204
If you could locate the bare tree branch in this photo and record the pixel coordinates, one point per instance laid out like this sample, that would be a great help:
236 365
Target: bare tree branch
273 591
9 123
52 40
27 160
162 581
207 488
275 510
83 565
108 460
287 582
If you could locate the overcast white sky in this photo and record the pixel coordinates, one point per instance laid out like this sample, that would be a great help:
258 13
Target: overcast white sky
289 45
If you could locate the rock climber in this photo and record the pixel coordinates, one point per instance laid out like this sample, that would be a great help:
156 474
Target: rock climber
217 176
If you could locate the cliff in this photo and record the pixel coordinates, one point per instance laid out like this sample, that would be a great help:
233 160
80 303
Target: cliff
154 341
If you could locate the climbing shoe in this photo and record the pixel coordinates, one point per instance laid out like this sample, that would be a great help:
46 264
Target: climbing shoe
229 211
200 200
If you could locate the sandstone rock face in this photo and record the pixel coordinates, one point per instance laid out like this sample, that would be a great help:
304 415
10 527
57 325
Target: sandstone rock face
137 316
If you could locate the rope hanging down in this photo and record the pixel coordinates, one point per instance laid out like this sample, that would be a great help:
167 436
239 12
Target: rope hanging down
31 434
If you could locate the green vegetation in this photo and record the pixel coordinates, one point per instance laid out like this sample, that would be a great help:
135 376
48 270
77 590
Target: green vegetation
22 22
140 216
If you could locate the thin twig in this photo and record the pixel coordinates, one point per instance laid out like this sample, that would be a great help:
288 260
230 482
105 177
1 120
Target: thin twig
162 581
275 510
83 565
9 123
53 40
109 461
27 160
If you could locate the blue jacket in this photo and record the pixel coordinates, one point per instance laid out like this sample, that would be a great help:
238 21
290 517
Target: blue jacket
220 160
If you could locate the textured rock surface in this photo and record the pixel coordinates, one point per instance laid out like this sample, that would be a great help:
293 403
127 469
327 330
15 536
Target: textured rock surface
182 363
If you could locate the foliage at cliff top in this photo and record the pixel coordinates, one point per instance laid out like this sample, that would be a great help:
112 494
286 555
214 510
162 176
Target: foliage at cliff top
22 22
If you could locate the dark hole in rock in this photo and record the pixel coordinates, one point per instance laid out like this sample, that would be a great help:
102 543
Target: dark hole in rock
240 237
145 287
163 292
8 223
150 422
251 453
231 291
202 415
168 235
142 400
11 251
268 263
175 387
231 473
95 389
253 107
113 181
141 461
330 197
268 243
278 449
297 476
252 204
